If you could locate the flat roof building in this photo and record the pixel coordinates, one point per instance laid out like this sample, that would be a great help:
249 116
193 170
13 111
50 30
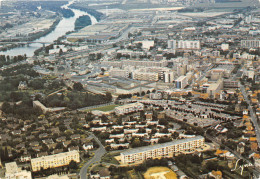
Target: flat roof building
56 160
128 108
13 171
162 150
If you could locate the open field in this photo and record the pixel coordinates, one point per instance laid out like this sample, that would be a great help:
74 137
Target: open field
160 173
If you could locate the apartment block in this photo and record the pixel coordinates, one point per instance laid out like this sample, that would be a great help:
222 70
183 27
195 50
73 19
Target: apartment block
186 44
145 76
181 82
250 43
119 73
132 107
56 160
162 150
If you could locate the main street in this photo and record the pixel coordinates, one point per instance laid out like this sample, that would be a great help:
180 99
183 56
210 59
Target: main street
252 113
97 158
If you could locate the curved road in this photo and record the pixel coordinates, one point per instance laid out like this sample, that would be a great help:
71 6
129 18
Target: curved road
97 157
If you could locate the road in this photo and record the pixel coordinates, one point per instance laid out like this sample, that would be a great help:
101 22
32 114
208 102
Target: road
97 157
252 113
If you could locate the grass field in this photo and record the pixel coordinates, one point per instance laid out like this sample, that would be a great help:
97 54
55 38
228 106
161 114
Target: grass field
160 173
103 108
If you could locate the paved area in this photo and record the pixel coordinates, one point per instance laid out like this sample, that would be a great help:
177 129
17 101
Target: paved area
97 158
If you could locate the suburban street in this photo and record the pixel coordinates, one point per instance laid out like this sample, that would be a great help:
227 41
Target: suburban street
236 154
97 157
252 113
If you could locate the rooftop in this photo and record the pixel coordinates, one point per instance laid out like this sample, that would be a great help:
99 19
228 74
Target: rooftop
51 157
157 146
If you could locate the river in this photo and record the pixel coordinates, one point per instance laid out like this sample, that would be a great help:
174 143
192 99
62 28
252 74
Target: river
65 25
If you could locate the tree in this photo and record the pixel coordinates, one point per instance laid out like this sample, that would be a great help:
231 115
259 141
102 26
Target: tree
6 107
78 86
108 96
60 52
37 84
136 143
73 165
163 122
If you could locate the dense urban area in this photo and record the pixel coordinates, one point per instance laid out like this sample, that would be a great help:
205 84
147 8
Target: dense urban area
134 89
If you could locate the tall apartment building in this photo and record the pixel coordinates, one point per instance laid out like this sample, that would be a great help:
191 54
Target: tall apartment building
56 160
132 107
172 44
250 43
162 150
187 44
181 82
168 77
183 44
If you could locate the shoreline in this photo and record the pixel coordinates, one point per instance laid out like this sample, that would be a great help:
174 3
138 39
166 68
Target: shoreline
33 37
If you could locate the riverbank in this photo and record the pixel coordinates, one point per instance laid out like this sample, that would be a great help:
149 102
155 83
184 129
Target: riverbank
30 37
93 12
64 27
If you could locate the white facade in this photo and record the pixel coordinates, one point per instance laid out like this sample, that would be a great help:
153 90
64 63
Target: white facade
56 160
162 150
172 44
186 44
181 82
224 47
128 108
250 43
14 172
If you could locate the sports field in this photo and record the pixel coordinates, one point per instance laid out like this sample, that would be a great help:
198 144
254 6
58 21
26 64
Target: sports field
160 173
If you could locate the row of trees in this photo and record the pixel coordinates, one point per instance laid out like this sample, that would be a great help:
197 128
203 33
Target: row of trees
7 60
82 22
76 99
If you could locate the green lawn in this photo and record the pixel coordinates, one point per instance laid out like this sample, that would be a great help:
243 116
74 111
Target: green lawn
104 108
109 158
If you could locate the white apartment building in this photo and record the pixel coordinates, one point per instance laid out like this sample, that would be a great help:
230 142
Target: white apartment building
15 172
250 43
183 44
130 131
117 136
56 160
118 72
181 82
172 44
128 108
168 77
162 150
187 44
102 128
